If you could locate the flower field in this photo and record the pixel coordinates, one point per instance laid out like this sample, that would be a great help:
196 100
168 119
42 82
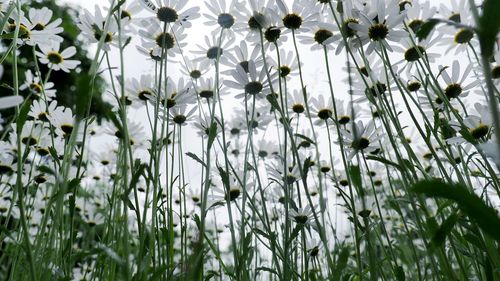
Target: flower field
269 140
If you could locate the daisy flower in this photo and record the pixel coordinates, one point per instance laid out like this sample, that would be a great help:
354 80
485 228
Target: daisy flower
416 50
209 53
34 85
417 13
139 91
252 83
458 39
479 126
32 133
172 11
321 36
349 14
43 31
36 29
254 19
193 69
379 25
301 216
455 85
345 112
240 55
136 134
271 28
275 170
220 14
202 126
177 94
205 89
459 8
56 60
158 41
288 64
378 84
322 109
302 16
92 27
128 15
39 110
257 120
181 115
266 148
296 102
62 119
495 69
360 138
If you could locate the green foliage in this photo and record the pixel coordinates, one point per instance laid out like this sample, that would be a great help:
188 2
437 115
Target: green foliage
72 88
485 216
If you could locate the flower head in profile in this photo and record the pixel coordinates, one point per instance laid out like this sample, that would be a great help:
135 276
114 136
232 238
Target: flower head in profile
57 60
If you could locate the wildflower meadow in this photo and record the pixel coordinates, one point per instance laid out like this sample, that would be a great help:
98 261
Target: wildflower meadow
250 140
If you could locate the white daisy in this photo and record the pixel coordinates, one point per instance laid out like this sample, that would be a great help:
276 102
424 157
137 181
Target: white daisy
172 11
56 60
379 25
360 138
455 86
34 85
252 83
92 27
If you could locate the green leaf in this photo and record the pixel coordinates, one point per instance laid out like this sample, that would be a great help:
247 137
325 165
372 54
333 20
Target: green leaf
196 158
271 98
485 216
224 177
83 96
23 115
488 27
212 133
383 160
158 273
127 202
341 263
355 174
45 170
426 28
444 230
295 233
305 138
400 273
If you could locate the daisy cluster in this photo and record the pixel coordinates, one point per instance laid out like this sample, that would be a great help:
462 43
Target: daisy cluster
290 174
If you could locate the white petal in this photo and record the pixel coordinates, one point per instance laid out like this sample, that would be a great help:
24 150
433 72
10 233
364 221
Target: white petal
11 101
